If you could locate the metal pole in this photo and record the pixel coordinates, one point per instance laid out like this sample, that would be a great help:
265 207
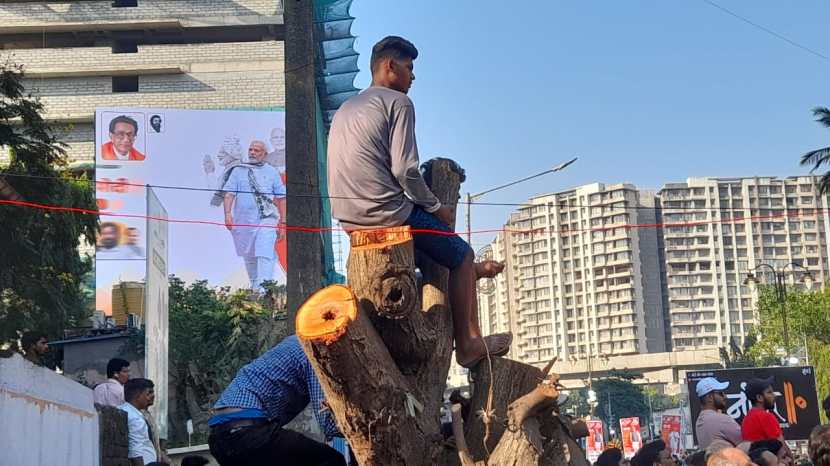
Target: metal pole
782 298
469 228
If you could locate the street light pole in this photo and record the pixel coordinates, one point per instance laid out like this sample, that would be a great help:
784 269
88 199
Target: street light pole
472 197
780 275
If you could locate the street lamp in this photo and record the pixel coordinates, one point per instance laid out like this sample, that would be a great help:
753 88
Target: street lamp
780 284
472 197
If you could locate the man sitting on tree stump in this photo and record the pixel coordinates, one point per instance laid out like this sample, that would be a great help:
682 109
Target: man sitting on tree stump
247 427
375 182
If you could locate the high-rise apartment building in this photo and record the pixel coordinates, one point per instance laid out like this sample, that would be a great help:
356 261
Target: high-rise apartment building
717 230
578 281
205 54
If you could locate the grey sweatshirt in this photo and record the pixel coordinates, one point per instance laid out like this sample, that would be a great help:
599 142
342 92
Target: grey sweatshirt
373 172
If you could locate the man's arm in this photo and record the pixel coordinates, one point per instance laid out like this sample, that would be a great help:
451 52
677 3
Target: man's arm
404 158
228 205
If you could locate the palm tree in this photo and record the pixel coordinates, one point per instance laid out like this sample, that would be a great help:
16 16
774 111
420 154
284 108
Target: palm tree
820 157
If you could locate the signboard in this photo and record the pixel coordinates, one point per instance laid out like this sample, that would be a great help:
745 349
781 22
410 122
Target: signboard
632 437
595 443
670 432
156 306
796 404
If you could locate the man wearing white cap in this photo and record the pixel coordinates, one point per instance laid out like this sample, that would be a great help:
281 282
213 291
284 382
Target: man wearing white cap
713 426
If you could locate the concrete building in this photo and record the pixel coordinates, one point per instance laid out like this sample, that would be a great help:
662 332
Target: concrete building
724 227
205 54
580 283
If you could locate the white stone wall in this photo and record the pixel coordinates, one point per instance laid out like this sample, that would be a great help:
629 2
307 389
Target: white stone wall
164 55
48 419
38 13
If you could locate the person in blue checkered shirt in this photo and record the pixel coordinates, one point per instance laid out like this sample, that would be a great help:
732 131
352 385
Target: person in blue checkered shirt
247 427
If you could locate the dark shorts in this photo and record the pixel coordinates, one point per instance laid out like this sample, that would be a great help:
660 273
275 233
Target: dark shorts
448 250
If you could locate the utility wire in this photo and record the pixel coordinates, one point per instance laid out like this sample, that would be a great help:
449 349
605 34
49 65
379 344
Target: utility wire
562 205
767 30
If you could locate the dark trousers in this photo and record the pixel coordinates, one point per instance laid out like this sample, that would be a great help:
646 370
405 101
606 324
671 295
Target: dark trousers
269 445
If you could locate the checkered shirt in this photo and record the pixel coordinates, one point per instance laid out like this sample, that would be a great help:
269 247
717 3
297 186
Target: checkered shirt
280 383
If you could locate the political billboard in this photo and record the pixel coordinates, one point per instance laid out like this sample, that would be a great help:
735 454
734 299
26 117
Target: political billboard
632 437
796 403
199 194
595 442
670 433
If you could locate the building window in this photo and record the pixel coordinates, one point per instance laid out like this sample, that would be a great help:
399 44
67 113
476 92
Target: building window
125 84
124 46
124 3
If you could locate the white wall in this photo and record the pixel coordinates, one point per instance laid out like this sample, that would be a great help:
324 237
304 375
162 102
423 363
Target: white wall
47 419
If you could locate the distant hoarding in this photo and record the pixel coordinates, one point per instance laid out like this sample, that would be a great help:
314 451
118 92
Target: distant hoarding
796 404
155 313
632 437
670 433
595 443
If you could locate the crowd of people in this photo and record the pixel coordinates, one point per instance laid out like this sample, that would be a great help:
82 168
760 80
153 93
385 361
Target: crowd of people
757 441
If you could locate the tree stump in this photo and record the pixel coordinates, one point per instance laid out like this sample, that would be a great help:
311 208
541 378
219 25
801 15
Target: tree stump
382 355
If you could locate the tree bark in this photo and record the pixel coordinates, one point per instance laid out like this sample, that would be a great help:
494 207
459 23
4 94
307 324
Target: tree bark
510 381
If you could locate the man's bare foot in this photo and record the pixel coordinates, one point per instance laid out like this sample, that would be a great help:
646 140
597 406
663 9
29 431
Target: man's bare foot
488 269
498 344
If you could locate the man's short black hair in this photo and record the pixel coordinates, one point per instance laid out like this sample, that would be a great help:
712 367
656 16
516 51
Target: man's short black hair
756 387
194 460
771 445
649 454
609 457
392 46
30 339
757 457
135 387
123 119
115 365
697 458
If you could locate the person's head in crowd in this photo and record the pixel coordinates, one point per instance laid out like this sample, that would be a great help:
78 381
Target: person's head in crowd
610 457
775 448
763 457
653 454
819 446
123 130
760 393
391 63
826 405
34 344
711 395
728 457
110 235
194 460
118 369
139 393
697 458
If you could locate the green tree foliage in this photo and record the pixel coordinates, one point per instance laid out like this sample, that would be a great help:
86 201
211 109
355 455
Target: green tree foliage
820 157
213 333
41 271
618 397
808 322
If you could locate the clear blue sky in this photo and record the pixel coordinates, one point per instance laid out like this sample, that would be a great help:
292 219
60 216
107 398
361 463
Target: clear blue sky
645 92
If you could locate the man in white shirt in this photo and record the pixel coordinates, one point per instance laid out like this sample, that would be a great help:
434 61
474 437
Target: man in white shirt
111 392
140 395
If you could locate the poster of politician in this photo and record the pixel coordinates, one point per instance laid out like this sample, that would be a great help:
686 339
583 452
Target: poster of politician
632 438
670 433
220 175
595 442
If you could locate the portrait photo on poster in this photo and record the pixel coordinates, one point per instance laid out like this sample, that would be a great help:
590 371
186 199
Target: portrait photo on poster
122 137
156 123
